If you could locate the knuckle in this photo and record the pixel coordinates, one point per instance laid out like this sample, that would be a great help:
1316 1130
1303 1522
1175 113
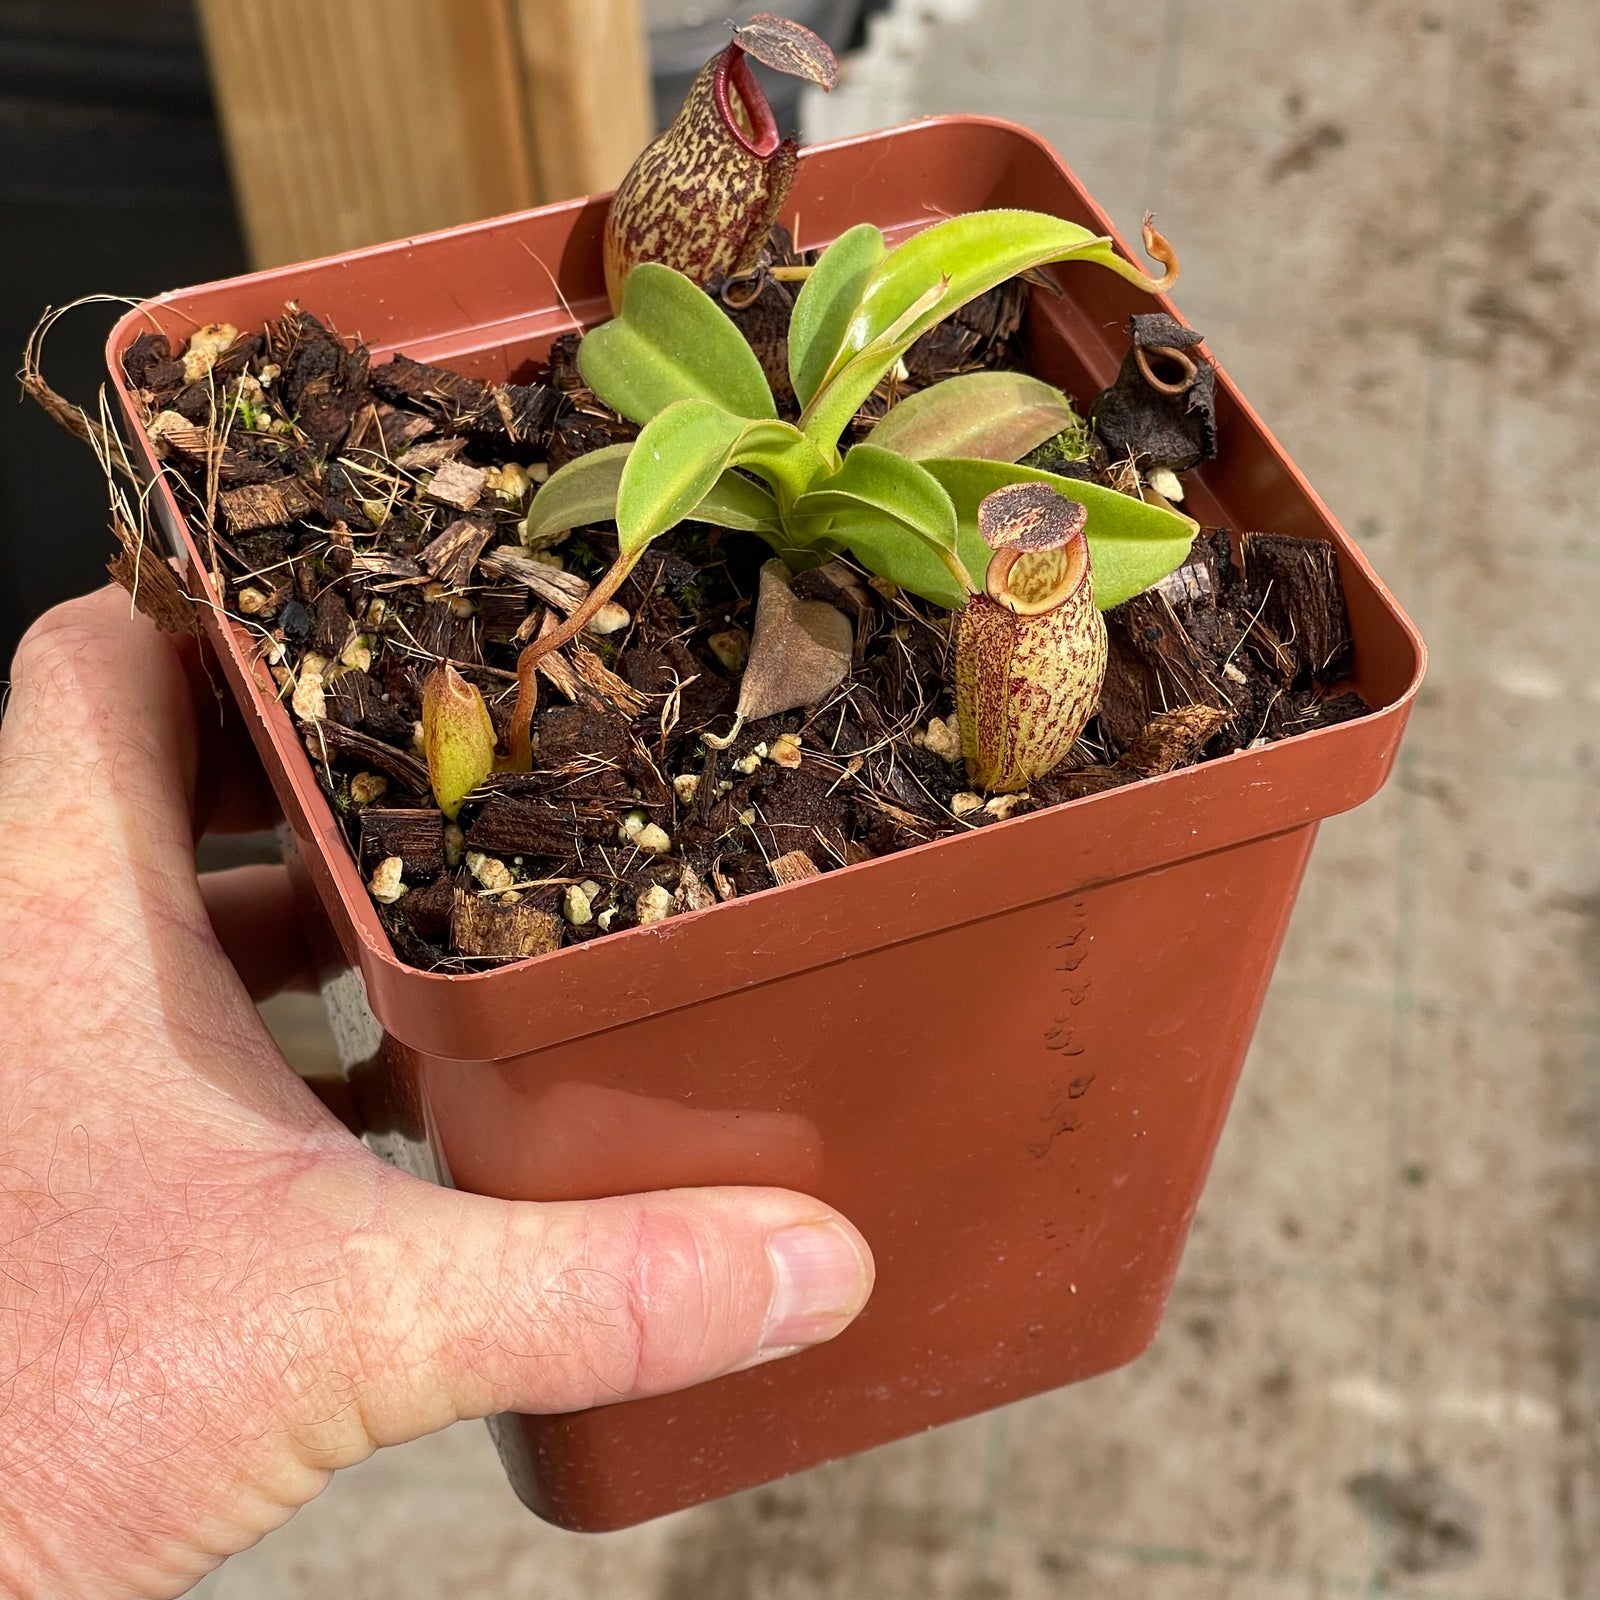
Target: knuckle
563 1307
54 638
636 1301
673 1302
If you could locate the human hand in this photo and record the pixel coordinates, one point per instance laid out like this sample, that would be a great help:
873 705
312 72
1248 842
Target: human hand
211 1296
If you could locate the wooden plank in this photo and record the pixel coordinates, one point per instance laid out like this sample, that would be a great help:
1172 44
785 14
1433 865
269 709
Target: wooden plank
587 74
353 121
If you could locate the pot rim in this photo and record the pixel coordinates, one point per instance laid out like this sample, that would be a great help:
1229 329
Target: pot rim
1243 767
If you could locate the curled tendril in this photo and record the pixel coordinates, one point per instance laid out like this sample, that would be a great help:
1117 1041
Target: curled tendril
1158 249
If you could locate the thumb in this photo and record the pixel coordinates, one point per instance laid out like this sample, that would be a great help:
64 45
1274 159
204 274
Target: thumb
466 1306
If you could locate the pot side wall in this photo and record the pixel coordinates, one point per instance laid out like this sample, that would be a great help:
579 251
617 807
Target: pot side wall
1019 1113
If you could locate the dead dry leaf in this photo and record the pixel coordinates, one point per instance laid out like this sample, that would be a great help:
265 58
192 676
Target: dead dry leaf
799 649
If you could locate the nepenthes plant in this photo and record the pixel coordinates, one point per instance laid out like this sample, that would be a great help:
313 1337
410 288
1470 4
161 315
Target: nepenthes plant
907 504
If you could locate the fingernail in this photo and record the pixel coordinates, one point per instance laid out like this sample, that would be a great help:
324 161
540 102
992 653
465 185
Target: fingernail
822 1281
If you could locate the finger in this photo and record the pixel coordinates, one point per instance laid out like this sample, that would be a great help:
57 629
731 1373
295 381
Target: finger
254 916
98 748
97 693
478 1305
98 751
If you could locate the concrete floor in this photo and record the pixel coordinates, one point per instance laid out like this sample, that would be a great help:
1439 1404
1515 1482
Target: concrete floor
1383 1354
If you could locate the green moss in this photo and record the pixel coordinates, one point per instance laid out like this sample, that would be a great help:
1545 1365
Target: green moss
1071 444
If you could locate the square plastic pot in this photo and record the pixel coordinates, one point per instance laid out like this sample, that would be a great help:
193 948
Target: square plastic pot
1006 1055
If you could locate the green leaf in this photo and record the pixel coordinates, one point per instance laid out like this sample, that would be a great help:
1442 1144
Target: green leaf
680 456
1131 545
672 342
881 484
874 361
826 304
735 501
997 416
584 491
881 546
974 252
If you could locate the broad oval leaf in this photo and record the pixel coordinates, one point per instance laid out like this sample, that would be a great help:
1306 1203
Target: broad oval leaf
737 502
584 491
849 371
677 459
827 303
974 252
883 484
672 342
880 545
996 416
1131 544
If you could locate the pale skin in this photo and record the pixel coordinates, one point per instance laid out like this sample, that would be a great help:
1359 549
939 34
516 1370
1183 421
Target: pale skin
211 1295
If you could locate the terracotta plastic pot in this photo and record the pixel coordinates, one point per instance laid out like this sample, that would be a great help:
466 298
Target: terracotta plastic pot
1007 1056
